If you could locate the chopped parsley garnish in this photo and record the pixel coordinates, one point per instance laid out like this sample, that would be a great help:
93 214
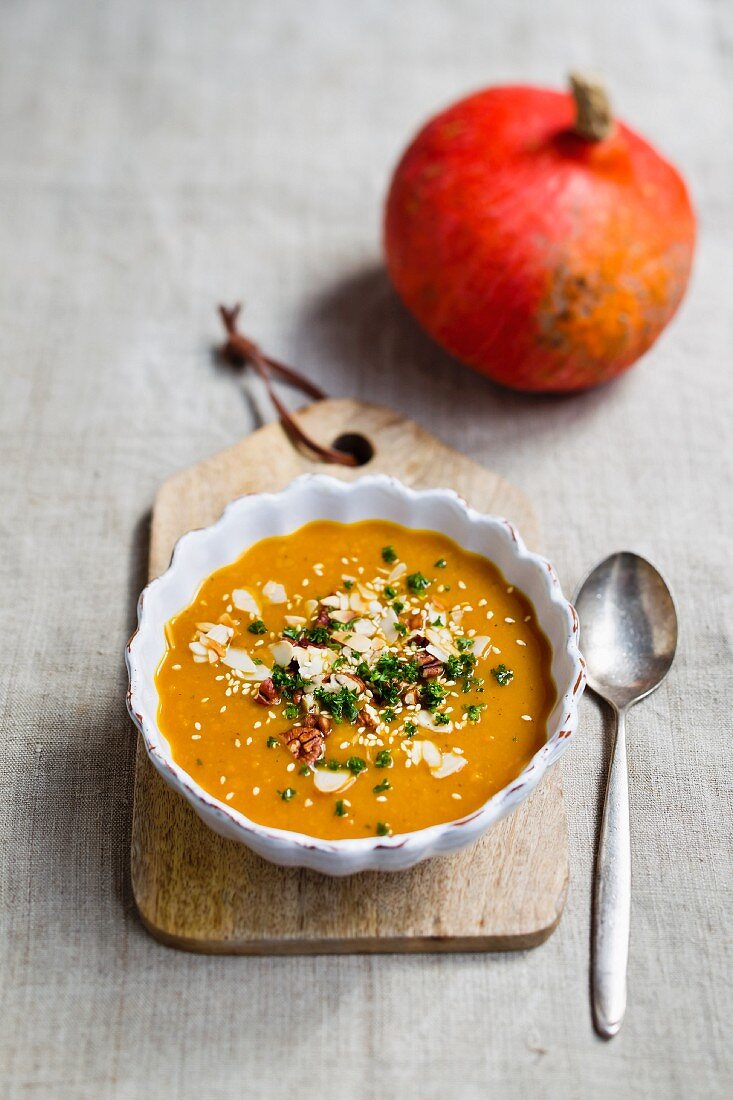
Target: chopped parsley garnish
199 761
340 809
442 719
410 729
304 769
417 583
401 629
437 622
293 632
348 585
383 828
287 794
473 713
355 764
380 788
286 682
272 742
383 759
398 606
341 704
389 555
257 627
432 694
317 634
455 667
388 715
390 592
388 676
440 563
464 644
291 711
503 675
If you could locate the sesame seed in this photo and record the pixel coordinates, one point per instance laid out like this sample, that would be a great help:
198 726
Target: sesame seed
176 668
508 620
290 767
306 582
345 745
495 649
381 798
526 717
510 589
195 736
489 614
237 743
222 709
257 725
462 584
255 790
482 602
249 740
308 802
230 796
222 779
520 642
456 796
197 725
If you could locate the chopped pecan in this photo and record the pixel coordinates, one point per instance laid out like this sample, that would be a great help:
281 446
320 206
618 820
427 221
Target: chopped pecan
317 721
267 693
430 666
366 719
323 618
297 695
415 620
306 742
419 639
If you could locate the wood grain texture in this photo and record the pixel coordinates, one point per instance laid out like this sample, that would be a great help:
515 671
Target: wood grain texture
197 891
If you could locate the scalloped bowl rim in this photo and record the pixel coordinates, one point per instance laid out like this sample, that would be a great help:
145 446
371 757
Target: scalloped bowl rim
339 857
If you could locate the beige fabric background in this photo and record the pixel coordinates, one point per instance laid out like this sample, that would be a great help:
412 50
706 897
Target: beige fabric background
156 157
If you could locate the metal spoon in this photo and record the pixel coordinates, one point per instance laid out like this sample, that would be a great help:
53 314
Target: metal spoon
628 631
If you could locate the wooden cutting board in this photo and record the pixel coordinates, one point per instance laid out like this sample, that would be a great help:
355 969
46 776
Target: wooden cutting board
197 891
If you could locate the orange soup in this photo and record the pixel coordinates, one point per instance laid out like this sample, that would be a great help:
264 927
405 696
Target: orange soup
348 680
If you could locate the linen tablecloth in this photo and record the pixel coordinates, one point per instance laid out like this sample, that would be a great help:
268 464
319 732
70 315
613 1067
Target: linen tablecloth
156 158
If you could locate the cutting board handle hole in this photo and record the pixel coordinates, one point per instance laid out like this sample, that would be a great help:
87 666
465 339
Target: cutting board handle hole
352 443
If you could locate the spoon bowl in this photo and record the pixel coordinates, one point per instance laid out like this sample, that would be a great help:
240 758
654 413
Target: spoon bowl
629 628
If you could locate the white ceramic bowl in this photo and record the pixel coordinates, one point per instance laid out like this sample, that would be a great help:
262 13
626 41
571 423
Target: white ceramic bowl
251 518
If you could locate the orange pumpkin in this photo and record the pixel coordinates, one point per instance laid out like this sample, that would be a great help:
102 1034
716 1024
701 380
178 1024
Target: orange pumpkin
536 239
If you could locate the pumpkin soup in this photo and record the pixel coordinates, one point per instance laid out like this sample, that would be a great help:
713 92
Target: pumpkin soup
348 680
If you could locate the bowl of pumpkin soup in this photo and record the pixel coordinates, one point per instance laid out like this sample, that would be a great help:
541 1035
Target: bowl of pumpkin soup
354 676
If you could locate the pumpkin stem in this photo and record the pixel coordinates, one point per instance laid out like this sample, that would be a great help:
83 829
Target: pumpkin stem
593 121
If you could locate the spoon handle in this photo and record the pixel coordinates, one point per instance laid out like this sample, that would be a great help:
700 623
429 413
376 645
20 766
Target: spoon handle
613 894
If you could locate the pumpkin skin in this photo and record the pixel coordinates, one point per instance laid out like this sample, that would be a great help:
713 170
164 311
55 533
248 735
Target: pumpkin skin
545 260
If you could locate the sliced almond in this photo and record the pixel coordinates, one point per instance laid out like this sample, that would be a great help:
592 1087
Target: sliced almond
397 572
431 754
198 650
328 782
480 644
243 600
364 626
426 719
449 765
356 603
282 652
274 592
359 643
438 651
310 607
295 620
239 659
331 601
